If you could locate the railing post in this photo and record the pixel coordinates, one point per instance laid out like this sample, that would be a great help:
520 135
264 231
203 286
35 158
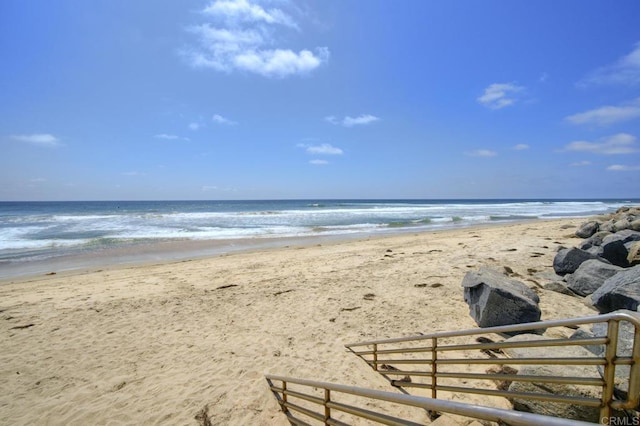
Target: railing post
327 410
434 368
609 375
284 396
375 357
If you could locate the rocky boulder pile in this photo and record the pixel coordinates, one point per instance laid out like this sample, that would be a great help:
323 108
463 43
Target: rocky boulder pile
606 264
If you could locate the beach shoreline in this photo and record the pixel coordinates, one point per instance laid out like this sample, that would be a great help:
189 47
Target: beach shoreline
167 252
154 343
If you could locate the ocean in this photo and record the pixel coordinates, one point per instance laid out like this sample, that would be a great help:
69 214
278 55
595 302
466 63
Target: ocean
38 236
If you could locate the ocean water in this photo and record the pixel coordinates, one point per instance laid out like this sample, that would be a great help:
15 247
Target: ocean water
37 231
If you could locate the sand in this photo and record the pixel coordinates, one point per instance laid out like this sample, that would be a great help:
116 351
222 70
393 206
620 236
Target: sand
155 344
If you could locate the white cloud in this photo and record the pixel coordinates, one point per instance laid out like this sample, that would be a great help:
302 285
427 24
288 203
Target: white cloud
322 149
481 153
166 136
223 120
521 147
607 114
580 164
242 11
621 143
194 126
133 173
625 71
352 121
621 168
244 38
318 162
209 188
40 139
499 95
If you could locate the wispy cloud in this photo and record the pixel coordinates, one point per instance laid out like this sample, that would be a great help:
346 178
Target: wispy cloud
170 137
217 118
133 173
608 114
243 11
500 95
481 153
39 139
322 149
244 36
622 168
621 143
348 121
194 126
625 71
521 147
318 162
580 163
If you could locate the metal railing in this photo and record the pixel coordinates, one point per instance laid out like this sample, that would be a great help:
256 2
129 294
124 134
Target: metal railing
458 348
319 402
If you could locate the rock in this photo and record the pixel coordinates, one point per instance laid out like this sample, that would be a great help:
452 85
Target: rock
590 275
615 252
608 226
567 411
635 225
495 299
626 236
559 287
621 291
594 241
568 260
614 247
634 254
587 229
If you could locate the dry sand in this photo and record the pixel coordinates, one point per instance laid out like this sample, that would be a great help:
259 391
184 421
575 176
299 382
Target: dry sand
154 344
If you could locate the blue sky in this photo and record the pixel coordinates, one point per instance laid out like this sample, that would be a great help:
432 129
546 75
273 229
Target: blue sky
249 99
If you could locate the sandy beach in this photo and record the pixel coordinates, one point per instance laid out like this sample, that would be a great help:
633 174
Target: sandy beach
156 343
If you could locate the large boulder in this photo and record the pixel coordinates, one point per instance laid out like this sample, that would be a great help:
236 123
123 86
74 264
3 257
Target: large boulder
587 229
615 247
590 275
568 260
621 291
567 411
495 299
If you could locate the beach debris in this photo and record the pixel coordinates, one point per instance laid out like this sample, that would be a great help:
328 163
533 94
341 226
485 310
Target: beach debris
350 309
621 291
278 293
495 299
369 296
203 417
226 286
50 273
436 285
590 276
568 260
21 327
